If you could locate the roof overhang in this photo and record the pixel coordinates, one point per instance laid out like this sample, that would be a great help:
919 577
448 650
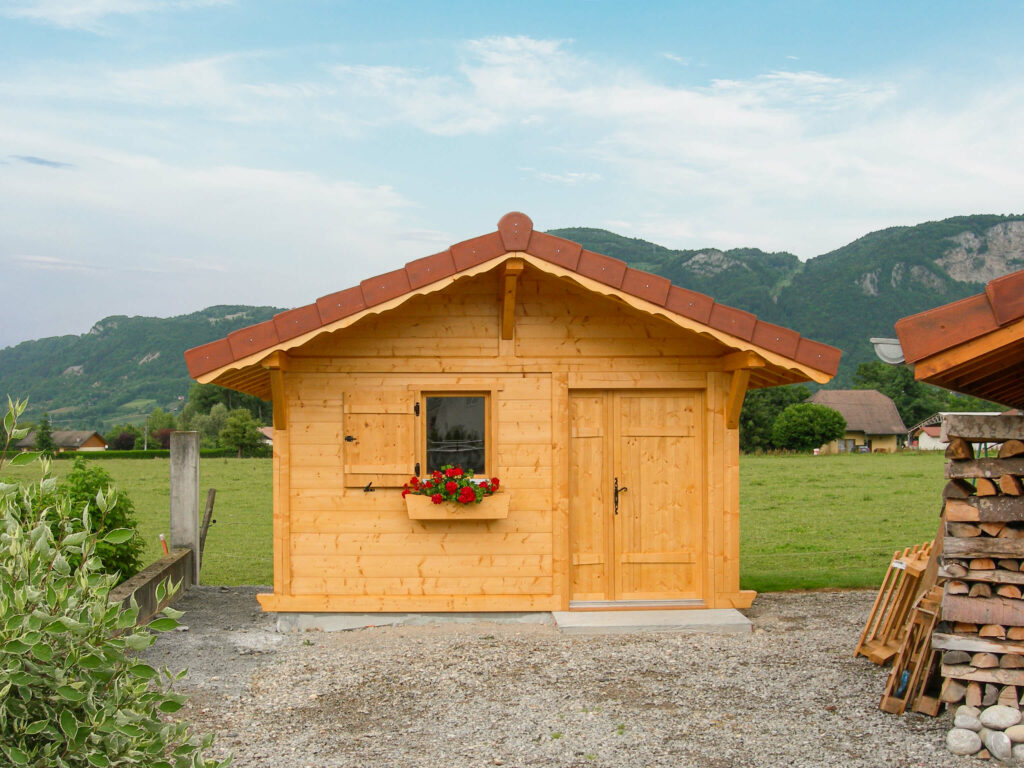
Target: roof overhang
974 346
773 355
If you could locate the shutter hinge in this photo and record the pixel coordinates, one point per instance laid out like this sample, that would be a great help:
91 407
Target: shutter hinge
417 468
416 409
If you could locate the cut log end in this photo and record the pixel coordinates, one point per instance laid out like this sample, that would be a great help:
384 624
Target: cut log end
959 448
993 630
1011 448
986 487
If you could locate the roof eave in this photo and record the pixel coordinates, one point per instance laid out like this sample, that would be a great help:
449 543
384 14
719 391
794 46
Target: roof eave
784 368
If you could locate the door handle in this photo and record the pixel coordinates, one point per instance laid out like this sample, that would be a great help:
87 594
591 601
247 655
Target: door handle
618 490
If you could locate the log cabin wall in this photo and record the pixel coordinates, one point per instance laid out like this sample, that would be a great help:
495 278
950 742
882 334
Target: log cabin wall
349 404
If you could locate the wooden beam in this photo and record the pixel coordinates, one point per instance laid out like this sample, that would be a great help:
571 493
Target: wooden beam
277 399
513 268
277 362
737 390
742 359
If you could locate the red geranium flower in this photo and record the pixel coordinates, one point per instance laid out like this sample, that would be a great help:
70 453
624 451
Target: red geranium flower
436 498
451 486
495 483
467 495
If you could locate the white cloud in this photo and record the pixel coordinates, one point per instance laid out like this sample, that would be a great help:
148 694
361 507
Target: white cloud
683 60
567 177
87 14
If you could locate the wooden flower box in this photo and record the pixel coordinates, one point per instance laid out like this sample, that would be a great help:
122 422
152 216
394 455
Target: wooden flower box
490 508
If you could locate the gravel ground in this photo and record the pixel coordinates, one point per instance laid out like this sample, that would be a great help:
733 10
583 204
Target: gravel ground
482 694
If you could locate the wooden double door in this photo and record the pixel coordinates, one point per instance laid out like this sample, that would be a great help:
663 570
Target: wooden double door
636 504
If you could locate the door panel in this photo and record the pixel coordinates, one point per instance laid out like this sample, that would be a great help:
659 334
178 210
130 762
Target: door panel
651 443
659 522
588 484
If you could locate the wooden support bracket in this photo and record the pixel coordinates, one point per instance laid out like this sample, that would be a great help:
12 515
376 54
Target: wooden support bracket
739 360
277 364
737 390
513 268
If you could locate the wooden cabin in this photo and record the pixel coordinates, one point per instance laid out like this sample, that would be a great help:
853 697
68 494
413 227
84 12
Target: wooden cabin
605 399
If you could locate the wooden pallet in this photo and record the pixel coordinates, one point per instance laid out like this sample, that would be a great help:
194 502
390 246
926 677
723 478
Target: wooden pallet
887 623
915 671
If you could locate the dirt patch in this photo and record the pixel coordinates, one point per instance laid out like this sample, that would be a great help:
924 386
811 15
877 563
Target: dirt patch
789 694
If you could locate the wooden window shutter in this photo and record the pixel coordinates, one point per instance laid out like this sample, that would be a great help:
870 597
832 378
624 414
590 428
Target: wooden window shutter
382 426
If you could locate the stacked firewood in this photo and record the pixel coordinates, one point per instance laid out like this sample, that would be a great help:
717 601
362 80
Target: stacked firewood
981 637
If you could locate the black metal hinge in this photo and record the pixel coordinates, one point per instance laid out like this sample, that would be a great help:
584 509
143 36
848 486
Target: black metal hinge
417 468
416 409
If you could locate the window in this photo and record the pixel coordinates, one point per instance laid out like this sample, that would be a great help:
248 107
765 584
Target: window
456 431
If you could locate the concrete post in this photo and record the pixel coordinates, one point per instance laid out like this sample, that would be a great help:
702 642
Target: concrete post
185 494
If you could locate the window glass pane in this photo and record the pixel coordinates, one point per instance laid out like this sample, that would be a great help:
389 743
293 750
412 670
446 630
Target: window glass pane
455 433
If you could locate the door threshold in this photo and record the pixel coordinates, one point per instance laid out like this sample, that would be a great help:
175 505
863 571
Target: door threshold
634 605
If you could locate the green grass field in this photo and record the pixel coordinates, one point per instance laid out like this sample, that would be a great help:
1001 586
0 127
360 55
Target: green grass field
807 521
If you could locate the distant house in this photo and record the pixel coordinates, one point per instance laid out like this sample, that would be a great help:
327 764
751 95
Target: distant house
872 422
925 436
68 440
268 435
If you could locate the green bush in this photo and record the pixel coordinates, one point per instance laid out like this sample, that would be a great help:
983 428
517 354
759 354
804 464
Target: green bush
804 426
72 693
80 487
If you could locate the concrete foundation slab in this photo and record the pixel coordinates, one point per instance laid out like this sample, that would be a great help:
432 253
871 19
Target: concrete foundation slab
719 621
340 622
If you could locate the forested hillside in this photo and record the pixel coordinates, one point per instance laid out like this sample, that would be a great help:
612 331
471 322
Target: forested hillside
117 372
846 296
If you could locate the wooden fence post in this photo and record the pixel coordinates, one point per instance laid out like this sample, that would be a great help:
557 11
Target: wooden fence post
185 494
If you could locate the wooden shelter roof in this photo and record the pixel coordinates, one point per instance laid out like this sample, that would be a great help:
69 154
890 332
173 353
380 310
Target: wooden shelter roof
975 345
785 356
865 410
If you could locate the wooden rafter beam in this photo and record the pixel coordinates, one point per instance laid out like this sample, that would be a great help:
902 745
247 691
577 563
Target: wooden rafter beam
513 268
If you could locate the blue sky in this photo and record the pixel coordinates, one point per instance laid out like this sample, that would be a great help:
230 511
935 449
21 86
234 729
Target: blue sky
160 157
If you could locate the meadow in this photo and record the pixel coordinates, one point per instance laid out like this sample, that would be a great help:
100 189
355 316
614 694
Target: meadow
808 522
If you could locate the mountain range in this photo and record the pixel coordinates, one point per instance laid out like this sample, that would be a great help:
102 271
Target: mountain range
125 366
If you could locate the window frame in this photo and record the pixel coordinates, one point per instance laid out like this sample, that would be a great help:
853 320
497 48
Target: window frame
490 395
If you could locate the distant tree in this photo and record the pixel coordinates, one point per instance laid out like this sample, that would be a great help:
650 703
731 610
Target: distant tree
123 441
123 437
162 437
202 398
157 422
44 436
804 426
209 425
914 400
241 431
760 409
957 402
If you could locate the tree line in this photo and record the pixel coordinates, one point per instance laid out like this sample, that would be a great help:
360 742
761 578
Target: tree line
779 418
223 419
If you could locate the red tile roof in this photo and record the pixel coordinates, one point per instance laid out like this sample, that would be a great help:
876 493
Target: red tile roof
515 233
975 345
939 329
